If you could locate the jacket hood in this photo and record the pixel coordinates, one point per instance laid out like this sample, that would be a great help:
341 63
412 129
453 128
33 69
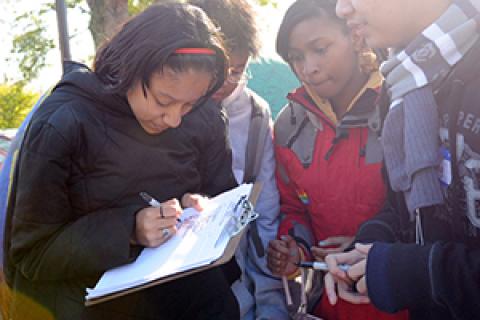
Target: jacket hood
78 79
301 96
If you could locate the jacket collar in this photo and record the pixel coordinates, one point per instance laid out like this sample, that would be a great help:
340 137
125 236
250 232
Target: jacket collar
322 107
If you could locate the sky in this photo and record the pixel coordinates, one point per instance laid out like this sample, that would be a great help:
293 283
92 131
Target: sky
81 43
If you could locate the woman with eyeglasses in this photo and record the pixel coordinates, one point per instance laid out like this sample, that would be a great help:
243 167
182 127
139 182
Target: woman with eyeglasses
258 293
329 160
140 121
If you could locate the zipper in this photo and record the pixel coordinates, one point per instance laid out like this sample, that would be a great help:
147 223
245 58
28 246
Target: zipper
342 134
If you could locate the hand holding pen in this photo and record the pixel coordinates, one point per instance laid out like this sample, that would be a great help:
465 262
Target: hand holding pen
320 265
348 284
156 204
157 223
282 255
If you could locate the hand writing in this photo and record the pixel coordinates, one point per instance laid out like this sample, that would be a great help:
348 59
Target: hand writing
155 226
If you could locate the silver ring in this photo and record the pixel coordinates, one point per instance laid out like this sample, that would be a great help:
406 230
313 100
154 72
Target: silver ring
165 233
161 212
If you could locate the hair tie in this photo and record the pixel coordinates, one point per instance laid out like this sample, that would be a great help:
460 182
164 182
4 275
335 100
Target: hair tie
206 51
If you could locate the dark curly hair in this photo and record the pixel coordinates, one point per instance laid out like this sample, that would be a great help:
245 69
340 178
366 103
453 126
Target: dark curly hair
236 20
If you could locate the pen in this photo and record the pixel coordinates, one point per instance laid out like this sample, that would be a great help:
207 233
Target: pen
322 266
152 201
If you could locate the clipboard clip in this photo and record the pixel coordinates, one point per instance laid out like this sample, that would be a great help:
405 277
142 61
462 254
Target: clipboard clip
246 215
243 213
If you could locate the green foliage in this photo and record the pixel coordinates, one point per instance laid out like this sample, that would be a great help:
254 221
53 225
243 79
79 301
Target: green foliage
267 2
31 47
137 6
15 103
72 3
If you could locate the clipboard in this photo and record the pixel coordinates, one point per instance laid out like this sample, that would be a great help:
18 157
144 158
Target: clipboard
237 228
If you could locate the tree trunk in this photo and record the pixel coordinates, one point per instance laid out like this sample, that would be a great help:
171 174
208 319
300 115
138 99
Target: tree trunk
106 18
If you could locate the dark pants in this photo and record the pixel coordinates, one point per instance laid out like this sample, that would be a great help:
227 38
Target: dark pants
205 295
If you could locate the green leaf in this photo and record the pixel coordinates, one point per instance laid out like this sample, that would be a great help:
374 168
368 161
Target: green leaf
15 103
137 6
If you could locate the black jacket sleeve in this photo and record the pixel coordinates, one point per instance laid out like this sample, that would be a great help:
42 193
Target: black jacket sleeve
442 275
49 240
440 278
385 226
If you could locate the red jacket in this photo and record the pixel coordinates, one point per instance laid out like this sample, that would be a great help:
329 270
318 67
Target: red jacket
324 179
329 178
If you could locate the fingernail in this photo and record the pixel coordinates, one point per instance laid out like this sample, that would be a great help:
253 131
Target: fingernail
284 238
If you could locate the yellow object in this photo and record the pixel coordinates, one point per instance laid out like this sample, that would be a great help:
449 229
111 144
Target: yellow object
324 105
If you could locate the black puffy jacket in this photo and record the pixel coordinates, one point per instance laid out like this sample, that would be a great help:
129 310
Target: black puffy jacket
84 161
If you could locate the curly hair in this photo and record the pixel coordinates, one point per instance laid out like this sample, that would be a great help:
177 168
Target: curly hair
236 20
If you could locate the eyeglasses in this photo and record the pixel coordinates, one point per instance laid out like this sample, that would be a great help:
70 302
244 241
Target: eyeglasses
236 77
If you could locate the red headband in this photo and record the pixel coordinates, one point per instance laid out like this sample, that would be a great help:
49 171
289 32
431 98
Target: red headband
206 51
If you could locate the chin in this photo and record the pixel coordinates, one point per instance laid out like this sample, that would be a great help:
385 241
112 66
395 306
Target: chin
326 92
373 42
154 131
